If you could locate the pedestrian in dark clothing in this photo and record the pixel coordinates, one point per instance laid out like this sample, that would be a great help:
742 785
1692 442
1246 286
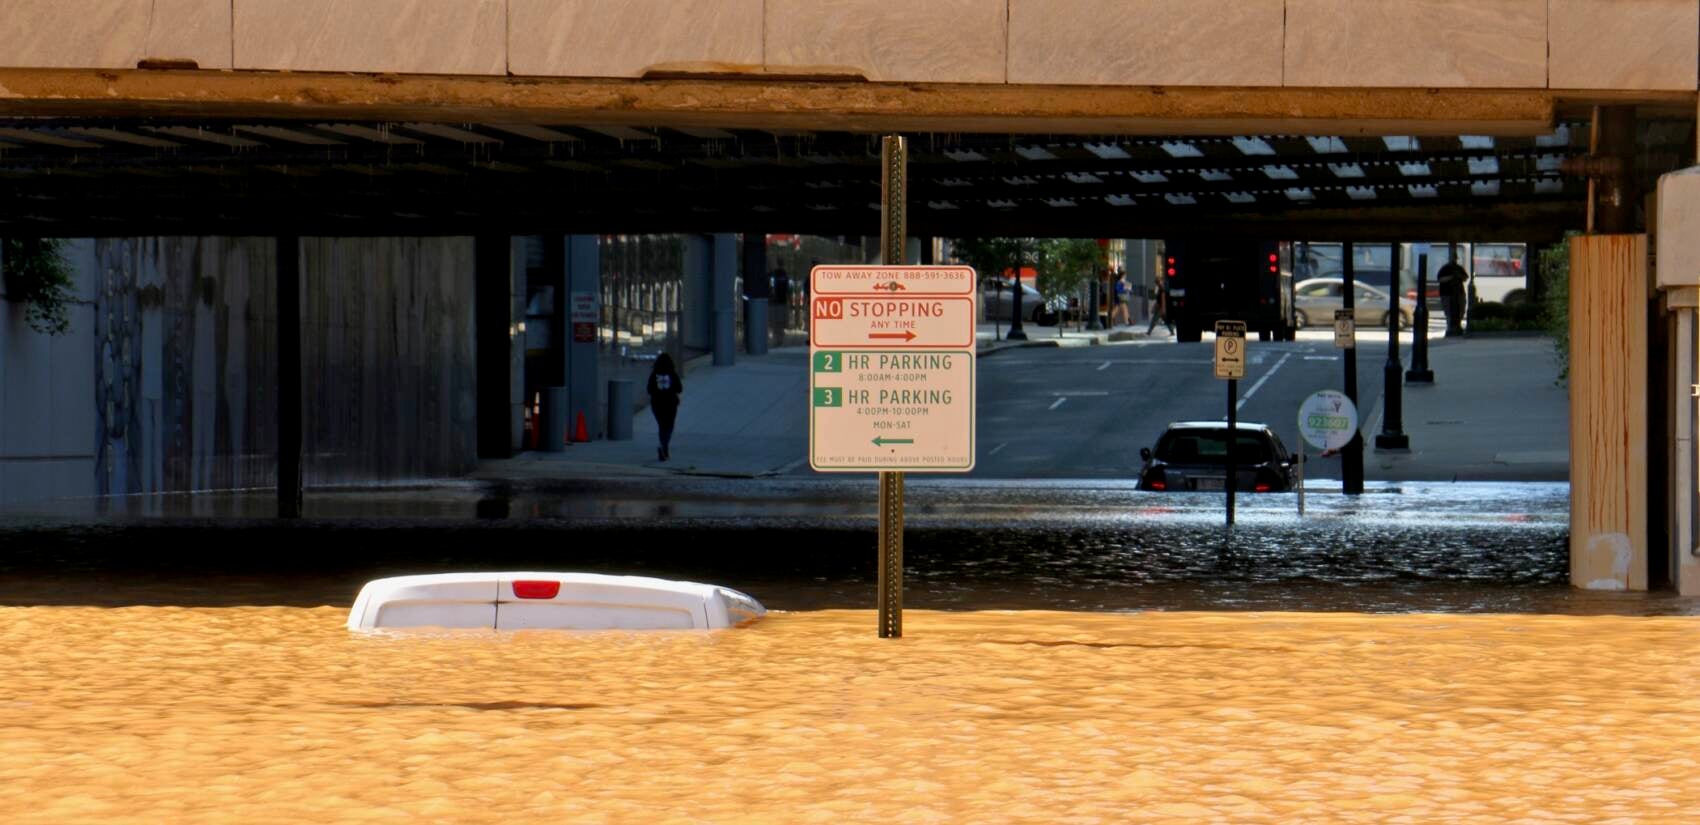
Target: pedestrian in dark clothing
1159 308
665 386
1451 279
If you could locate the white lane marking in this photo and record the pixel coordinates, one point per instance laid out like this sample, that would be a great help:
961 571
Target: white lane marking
1322 357
1058 404
1012 362
1072 393
996 449
1104 366
1259 385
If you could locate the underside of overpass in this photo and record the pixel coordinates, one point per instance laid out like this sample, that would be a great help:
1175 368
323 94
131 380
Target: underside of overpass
355 155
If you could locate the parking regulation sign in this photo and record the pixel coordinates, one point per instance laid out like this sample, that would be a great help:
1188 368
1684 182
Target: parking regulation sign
1230 349
891 369
1328 420
1345 329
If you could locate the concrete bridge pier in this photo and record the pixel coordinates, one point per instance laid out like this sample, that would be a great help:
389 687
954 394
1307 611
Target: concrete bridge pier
499 320
1608 412
1677 280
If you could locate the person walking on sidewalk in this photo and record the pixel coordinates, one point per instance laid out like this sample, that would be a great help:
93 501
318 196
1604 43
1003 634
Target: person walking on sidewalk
1159 307
665 386
1118 300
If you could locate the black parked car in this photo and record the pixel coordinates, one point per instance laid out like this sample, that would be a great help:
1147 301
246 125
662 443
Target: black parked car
1193 455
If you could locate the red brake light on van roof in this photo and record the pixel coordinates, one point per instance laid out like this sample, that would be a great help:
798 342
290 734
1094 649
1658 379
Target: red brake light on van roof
536 589
1273 258
1171 272
1171 261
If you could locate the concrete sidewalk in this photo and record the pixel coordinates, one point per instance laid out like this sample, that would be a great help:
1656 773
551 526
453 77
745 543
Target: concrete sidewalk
1493 413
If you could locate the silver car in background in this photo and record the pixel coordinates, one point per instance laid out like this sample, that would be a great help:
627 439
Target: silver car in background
1000 304
1315 299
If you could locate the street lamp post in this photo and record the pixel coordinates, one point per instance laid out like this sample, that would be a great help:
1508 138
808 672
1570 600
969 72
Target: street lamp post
1392 435
1016 333
1352 455
1419 373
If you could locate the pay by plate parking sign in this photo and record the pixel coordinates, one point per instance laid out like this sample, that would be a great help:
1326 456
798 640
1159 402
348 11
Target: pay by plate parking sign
1230 349
1328 420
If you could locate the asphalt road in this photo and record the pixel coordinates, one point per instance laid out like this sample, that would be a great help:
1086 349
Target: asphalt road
1085 412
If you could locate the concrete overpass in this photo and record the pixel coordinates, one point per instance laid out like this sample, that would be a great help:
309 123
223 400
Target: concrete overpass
209 117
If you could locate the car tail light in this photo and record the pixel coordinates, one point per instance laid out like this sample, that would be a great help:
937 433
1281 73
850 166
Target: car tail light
1260 488
1156 479
536 589
1159 485
1273 258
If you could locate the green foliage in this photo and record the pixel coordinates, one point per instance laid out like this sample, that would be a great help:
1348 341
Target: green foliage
1066 264
1062 264
1523 316
1555 305
36 275
992 257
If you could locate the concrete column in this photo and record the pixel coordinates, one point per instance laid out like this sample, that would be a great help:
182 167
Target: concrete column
1680 307
696 309
756 293
1608 412
552 368
724 276
1142 274
1677 211
516 351
583 277
496 337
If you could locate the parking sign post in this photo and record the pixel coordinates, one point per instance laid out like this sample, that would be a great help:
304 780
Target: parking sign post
1230 364
894 231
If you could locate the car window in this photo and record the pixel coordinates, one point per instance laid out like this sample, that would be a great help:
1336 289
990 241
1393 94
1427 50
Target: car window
1199 446
1324 290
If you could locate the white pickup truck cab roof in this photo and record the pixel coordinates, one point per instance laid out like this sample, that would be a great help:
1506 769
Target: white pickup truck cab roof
566 601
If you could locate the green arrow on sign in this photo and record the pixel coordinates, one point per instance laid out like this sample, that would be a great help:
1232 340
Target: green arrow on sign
881 442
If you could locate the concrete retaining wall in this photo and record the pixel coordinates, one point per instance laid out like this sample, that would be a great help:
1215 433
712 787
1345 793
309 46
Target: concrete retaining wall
167 380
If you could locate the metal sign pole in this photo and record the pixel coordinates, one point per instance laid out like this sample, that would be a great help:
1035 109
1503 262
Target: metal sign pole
893 228
1301 478
1233 443
1230 364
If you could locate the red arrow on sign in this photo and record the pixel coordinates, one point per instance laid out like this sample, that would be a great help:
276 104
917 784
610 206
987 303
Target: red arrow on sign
905 335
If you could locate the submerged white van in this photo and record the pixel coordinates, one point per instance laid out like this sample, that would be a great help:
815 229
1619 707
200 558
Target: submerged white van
565 601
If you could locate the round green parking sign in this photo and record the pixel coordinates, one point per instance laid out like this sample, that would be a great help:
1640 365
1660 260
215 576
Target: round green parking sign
1328 419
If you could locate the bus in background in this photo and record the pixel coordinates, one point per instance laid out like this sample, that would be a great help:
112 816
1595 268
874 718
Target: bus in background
1497 270
1210 280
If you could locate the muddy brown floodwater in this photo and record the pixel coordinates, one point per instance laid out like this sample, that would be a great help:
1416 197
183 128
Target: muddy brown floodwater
278 714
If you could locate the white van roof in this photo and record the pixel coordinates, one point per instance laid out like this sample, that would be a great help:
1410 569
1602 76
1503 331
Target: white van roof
525 599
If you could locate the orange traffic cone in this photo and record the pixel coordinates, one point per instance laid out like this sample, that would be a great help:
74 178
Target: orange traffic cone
580 434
